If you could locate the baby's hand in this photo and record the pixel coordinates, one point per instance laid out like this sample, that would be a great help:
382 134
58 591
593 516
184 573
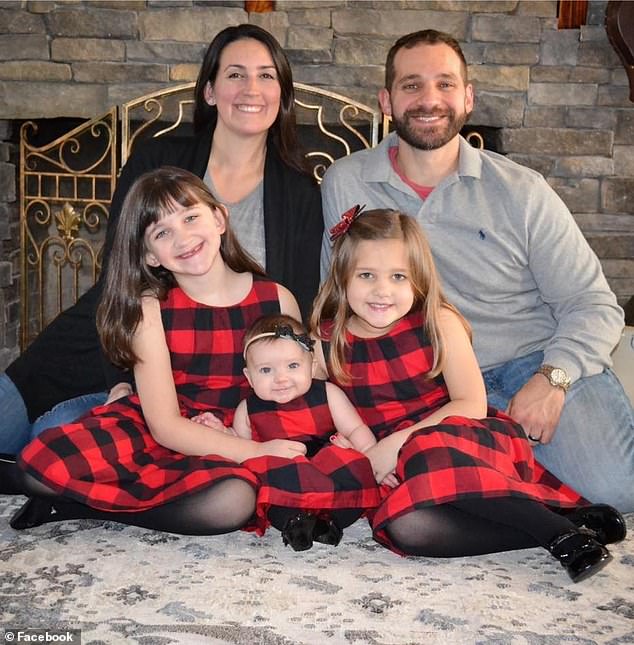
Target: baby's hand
210 420
390 481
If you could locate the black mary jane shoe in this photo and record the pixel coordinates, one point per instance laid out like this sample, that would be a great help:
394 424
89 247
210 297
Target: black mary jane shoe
35 511
327 532
298 531
579 553
604 520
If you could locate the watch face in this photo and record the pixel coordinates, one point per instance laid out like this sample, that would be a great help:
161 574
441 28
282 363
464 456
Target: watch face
558 376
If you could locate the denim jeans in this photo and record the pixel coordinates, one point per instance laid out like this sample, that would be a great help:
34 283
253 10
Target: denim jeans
67 411
15 428
593 447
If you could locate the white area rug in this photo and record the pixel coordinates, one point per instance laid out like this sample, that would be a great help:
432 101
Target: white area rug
128 585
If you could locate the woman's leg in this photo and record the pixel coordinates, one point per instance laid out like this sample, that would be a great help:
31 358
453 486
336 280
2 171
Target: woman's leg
15 426
67 411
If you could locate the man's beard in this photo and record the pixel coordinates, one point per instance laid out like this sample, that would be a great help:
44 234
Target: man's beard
429 138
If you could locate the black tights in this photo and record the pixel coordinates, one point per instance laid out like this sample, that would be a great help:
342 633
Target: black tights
477 526
223 507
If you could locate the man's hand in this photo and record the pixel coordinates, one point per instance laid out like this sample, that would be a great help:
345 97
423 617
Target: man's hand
537 407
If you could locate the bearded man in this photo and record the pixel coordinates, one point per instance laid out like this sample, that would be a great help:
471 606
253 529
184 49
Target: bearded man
513 261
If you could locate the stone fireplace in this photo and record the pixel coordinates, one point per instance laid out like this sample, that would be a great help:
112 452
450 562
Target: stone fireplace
554 99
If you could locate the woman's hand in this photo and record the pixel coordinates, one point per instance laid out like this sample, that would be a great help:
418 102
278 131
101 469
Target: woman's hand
118 392
281 448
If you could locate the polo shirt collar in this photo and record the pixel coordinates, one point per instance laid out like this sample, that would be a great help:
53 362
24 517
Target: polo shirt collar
377 166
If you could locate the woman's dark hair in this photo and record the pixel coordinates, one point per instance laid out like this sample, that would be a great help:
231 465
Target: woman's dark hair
283 132
129 277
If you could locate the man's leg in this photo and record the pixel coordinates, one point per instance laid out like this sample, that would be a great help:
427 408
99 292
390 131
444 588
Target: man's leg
593 447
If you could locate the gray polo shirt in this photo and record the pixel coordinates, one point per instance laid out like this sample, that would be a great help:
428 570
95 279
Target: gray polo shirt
509 253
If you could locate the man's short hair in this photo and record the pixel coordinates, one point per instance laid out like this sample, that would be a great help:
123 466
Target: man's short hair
427 37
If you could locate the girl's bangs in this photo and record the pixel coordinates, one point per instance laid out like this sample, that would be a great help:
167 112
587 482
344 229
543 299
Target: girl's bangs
167 199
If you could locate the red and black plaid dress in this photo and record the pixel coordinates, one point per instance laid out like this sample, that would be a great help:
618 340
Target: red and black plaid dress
459 458
327 478
109 459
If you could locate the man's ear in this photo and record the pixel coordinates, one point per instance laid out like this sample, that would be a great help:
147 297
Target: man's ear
384 101
209 94
245 371
469 100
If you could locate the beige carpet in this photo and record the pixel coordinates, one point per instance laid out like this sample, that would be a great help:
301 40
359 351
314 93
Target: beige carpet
128 585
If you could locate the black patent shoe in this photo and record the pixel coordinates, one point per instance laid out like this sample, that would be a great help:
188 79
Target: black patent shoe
579 553
327 532
603 519
35 511
298 531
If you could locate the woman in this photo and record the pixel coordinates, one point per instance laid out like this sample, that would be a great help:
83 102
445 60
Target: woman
245 147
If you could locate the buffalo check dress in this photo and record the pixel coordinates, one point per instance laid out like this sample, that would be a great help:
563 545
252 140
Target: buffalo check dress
457 459
327 478
109 459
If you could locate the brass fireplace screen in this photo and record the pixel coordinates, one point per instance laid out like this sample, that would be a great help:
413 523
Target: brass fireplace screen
66 185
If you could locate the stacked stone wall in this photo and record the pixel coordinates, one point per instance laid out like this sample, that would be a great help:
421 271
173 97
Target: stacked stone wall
560 96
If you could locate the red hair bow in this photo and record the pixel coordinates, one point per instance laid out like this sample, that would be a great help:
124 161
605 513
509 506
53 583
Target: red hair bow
346 220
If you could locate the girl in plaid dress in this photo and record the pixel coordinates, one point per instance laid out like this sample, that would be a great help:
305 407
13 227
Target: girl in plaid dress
180 293
459 479
311 497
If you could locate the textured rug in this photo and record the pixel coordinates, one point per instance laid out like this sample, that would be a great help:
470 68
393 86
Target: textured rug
127 585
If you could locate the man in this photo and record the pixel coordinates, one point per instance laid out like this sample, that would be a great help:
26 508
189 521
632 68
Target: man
511 258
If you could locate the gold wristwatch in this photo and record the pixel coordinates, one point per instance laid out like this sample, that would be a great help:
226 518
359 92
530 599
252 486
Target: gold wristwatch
556 376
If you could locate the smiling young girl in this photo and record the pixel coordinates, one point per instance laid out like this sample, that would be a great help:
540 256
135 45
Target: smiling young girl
179 295
467 480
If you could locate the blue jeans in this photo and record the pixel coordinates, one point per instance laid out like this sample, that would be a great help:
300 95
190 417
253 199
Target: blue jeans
15 428
593 447
67 411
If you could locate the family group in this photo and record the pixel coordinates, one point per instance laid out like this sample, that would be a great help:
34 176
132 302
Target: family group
450 381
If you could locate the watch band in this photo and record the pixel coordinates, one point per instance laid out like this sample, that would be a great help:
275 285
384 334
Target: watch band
556 376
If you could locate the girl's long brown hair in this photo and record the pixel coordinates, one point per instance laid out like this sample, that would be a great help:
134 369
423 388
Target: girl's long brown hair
331 303
129 277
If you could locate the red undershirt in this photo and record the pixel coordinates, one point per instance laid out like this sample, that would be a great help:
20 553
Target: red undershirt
421 191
